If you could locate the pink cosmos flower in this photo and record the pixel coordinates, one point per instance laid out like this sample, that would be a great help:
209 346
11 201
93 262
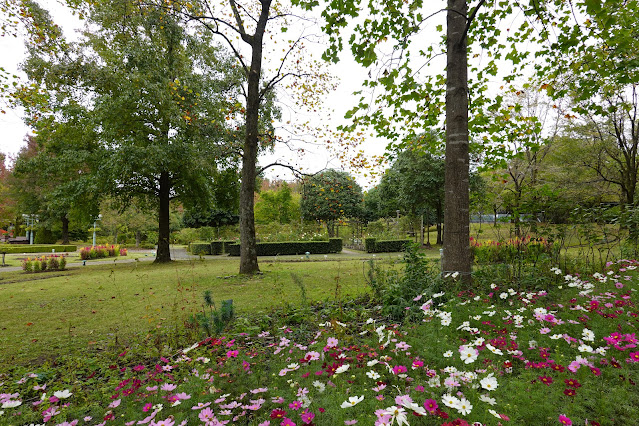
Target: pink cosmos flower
206 415
287 422
331 342
307 416
232 354
295 405
430 405
564 420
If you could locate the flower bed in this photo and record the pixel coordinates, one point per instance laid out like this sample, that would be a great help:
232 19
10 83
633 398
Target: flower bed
98 252
53 262
482 357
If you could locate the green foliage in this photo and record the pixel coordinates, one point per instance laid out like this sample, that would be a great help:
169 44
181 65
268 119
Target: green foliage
211 320
335 245
397 290
17 248
44 236
331 195
281 206
385 246
197 248
289 248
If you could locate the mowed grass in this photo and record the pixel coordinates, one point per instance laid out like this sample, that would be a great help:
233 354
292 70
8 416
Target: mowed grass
89 309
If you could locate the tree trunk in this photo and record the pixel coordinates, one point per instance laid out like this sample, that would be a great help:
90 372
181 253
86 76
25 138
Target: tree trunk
438 212
138 238
457 200
163 254
248 251
65 229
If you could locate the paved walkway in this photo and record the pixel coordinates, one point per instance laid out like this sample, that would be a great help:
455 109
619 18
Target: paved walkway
177 253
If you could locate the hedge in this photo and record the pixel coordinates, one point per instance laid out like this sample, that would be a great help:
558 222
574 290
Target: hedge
220 247
33 248
290 247
385 246
335 245
200 248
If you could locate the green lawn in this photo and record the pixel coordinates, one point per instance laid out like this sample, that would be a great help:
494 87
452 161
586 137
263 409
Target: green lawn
83 308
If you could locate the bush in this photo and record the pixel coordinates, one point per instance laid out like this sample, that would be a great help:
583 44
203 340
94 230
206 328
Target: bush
369 244
200 248
335 245
385 246
286 248
25 248
45 236
217 247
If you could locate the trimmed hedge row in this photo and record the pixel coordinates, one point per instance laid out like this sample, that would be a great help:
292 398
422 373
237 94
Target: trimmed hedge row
33 248
197 248
292 247
385 246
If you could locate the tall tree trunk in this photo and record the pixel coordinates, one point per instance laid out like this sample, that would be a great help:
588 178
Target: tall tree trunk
138 238
164 253
438 212
457 200
248 251
65 229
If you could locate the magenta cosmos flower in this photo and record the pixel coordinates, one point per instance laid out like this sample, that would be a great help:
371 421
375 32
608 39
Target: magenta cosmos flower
564 420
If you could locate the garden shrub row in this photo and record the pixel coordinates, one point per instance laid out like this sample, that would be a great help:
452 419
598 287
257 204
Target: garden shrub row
372 245
334 245
214 247
33 248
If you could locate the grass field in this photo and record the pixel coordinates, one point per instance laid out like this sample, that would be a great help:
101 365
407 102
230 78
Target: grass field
91 308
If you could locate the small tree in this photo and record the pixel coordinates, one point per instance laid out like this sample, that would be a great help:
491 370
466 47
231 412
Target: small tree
330 196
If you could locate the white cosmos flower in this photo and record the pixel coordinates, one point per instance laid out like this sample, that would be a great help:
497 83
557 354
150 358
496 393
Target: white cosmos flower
373 375
448 354
588 335
464 406
11 404
342 368
487 399
352 401
489 383
396 413
585 348
450 401
62 394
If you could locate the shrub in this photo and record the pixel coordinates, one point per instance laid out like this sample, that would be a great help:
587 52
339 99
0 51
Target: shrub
369 244
200 248
385 246
26 248
123 252
286 248
334 245
217 247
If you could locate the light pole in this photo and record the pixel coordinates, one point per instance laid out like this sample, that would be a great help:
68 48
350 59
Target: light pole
94 225
30 223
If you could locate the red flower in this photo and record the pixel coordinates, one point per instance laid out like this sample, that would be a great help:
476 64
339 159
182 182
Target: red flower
572 383
569 392
278 413
547 380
